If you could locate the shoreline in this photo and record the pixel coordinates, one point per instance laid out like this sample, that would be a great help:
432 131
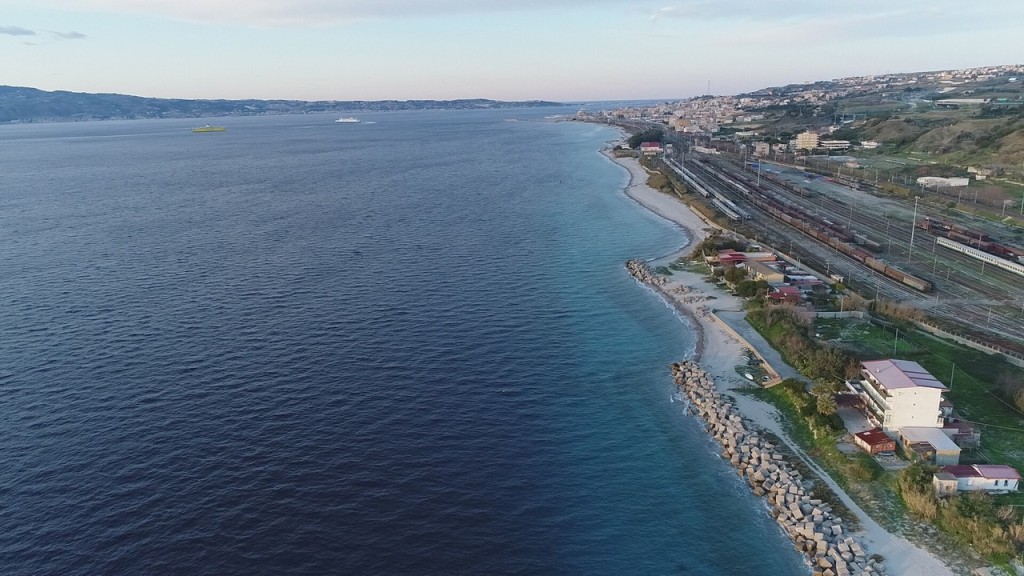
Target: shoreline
718 353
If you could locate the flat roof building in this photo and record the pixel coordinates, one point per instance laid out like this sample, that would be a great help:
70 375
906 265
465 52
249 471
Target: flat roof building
929 444
762 271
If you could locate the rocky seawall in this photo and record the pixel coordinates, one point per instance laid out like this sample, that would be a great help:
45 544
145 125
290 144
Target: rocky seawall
642 272
808 521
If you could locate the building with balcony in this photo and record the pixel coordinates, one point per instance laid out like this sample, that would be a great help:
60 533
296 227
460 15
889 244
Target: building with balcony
901 393
834 144
806 141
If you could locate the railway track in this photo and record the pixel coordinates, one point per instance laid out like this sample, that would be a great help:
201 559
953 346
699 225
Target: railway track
965 290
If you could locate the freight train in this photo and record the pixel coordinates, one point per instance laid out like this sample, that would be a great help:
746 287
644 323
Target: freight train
972 238
835 235
826 235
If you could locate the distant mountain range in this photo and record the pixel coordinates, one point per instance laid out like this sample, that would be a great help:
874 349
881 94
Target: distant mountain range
19 104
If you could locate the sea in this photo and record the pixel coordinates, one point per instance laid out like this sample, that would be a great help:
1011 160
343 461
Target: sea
402 347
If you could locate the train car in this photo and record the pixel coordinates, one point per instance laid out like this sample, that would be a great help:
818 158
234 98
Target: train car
859 255
968 232
842 232
958 237
898 275
1014 267
875 264
933 225
917 283
867 242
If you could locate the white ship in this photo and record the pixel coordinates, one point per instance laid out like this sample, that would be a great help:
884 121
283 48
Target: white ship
348 120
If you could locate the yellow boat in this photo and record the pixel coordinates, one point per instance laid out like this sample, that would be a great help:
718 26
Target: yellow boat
209 128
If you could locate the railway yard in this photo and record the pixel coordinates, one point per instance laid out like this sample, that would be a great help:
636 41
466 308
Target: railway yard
966 273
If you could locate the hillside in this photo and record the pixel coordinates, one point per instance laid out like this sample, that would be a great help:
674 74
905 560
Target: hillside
19 104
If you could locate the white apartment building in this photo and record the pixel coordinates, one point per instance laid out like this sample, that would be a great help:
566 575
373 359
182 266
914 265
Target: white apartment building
807 140
901 393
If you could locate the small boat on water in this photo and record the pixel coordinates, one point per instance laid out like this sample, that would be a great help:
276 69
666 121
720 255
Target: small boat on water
209 128
347 120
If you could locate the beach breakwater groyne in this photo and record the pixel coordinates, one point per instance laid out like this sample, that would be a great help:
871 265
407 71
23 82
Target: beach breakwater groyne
808 521
642 272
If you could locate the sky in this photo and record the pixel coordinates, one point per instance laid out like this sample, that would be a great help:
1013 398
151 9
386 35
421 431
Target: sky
563 50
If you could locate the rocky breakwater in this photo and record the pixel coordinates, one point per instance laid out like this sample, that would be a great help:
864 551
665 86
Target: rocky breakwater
642 272
807 520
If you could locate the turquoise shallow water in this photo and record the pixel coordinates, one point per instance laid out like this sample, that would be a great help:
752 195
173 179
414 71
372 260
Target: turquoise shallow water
294 347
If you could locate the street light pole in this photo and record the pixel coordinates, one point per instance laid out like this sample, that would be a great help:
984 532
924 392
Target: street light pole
913 226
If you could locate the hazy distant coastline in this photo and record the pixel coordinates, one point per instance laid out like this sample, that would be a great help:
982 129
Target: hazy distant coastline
24 105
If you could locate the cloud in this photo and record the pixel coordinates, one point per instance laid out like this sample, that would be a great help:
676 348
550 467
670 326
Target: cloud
67 35
836 21
16 31
313 12
49 36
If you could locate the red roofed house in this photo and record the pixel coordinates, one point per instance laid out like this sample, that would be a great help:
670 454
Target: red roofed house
789 294
650 148
874 441
975 477
731 257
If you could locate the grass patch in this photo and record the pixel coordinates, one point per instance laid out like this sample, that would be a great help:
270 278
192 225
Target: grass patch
970 375
866 340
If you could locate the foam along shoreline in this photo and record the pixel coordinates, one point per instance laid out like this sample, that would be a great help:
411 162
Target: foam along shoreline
719 353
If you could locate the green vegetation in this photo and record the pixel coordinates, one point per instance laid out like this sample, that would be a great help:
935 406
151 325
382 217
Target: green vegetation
716 241
984 390
974 518
817 433
652 135
788 333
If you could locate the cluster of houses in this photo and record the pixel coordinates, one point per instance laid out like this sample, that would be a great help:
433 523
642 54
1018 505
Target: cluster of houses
909 411
707 115
787 283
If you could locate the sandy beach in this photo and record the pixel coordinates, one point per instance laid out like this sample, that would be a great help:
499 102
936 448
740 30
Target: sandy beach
719 353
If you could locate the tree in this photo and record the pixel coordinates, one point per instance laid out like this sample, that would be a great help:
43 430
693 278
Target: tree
826 404
652 135
751 288
825 395
734 275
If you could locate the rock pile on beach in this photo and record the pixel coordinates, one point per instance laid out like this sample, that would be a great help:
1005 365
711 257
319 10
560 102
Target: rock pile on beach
642 272
808 521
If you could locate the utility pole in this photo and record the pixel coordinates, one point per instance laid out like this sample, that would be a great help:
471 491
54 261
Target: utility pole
913 226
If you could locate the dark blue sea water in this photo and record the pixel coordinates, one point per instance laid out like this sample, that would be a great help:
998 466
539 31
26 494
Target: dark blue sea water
296 347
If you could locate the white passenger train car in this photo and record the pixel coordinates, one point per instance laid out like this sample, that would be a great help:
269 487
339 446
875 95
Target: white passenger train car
983 256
